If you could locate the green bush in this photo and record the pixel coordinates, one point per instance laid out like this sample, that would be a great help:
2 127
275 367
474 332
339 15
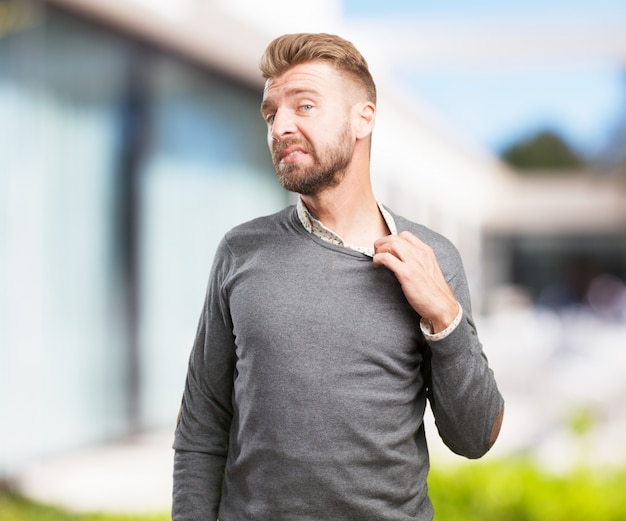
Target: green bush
15 508
505 490
517 490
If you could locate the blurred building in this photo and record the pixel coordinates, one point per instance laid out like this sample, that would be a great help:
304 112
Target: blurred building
123 162
131 141
553 234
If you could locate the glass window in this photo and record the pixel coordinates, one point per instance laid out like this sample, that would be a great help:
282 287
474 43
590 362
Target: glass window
121 168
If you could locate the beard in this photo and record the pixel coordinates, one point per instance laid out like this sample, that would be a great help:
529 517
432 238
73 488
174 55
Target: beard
325 172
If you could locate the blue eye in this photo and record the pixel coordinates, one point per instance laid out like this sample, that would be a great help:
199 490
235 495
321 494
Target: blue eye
306 107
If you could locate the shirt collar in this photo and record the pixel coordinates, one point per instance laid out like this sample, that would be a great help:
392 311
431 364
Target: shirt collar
317 228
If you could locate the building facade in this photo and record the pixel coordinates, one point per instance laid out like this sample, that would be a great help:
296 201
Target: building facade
122 165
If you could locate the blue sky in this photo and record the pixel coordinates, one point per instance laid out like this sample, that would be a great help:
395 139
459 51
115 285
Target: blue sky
581 99
439 7
581 102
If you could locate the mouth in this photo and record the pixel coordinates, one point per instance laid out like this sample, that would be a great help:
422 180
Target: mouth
290 154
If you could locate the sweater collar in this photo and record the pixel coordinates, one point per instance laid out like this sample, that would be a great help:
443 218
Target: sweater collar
316 227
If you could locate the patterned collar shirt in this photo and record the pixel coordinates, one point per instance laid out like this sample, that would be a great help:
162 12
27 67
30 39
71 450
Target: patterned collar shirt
317 228
313 225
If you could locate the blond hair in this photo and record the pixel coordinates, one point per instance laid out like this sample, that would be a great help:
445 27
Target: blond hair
289 50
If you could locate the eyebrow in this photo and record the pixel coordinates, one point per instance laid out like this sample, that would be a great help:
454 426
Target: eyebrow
296 91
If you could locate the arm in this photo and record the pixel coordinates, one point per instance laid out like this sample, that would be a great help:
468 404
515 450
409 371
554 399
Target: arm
462 391
203 427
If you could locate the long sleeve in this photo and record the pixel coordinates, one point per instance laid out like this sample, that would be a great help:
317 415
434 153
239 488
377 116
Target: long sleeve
202 433
463 393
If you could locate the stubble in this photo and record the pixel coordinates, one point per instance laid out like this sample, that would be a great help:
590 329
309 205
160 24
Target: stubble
328 168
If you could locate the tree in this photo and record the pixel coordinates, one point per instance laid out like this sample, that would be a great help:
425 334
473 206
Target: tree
543 151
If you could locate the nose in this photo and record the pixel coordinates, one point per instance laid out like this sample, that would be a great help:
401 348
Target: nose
283 124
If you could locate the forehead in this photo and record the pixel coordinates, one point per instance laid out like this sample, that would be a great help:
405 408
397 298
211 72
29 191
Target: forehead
316 77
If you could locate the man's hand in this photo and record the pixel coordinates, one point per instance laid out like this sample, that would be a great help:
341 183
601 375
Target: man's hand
414 264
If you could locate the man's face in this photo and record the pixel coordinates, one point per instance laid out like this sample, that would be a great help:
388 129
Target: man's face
309 127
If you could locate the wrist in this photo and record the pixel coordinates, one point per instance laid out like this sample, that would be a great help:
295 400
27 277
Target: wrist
437 331
437 323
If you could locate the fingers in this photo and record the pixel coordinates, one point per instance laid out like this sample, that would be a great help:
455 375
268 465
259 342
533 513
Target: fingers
402 239
405 247
389 261
410 259
415 266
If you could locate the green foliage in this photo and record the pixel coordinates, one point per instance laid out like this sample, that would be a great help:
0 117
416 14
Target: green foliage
15 508
544 151
505 490
581 421
517 490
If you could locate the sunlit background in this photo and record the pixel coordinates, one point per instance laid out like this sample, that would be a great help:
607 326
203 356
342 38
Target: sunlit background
130 141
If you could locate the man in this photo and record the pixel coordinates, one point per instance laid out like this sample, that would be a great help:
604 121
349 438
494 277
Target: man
326 327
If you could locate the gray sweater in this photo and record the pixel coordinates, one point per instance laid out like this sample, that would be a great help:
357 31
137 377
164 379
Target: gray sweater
308 380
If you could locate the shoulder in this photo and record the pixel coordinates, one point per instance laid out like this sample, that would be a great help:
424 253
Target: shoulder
262 231
273 223
252 239
446 252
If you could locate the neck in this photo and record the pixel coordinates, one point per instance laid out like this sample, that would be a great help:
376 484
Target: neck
350 208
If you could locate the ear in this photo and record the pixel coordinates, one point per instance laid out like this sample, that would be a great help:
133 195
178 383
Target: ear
365 116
